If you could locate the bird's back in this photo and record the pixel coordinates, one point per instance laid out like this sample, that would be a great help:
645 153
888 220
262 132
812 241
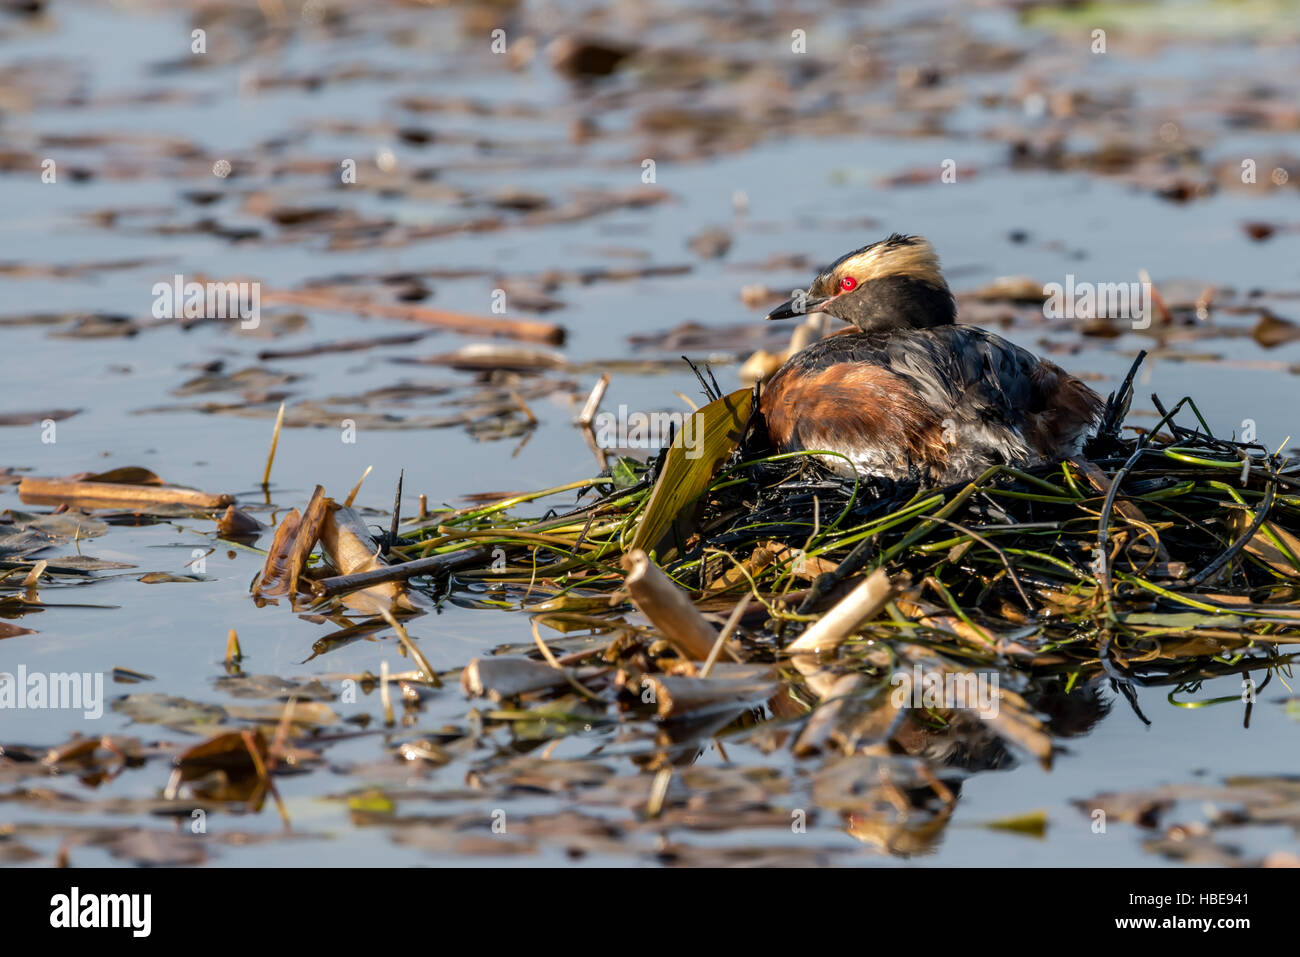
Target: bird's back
941 403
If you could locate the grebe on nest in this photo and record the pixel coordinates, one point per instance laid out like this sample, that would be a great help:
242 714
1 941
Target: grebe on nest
912 394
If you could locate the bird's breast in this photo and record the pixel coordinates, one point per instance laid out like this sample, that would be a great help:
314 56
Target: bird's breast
864 412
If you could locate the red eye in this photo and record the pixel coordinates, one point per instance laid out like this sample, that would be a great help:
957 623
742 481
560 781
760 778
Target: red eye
848 283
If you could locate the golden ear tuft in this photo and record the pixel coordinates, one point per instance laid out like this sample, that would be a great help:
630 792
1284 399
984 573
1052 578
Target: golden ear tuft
911 256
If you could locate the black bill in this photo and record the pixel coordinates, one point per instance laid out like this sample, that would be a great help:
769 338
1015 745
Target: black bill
798 306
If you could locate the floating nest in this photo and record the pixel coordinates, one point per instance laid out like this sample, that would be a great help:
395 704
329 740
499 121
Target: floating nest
911 635
1165 556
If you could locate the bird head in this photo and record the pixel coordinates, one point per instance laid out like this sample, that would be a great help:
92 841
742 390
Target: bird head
895 283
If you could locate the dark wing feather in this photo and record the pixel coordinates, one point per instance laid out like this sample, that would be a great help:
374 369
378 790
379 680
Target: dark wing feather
996 393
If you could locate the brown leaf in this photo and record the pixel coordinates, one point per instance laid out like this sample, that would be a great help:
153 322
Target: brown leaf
226 751
274 577
32 418
236 523
1262 548
1272 330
